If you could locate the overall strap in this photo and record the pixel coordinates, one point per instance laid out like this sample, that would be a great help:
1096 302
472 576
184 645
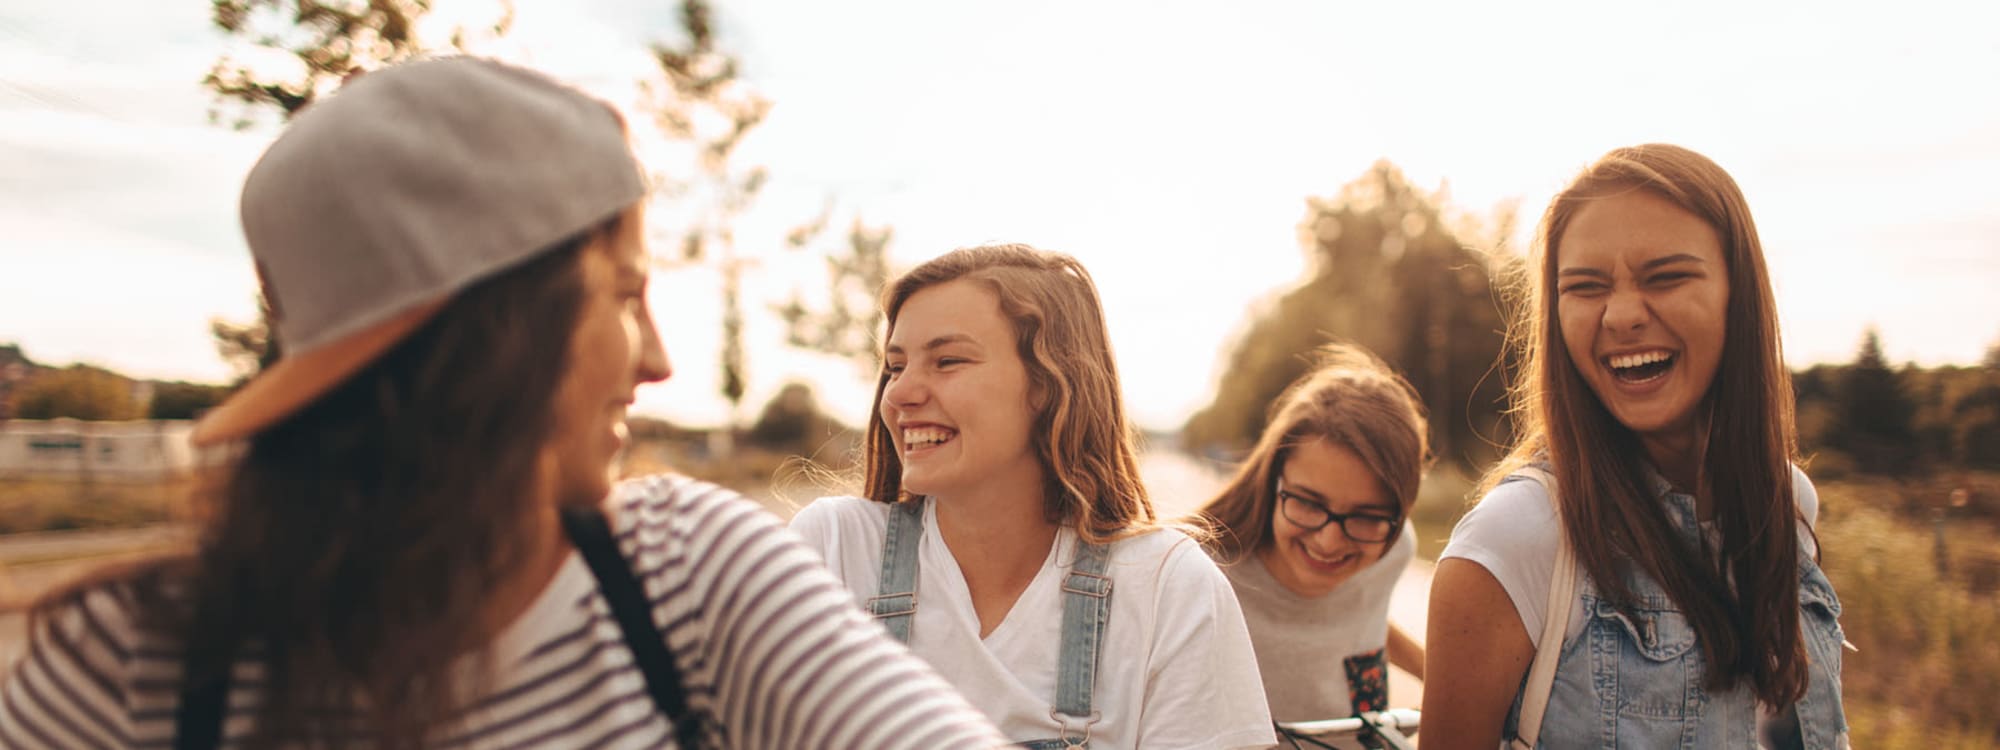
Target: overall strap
1086 593
591 533
895 603
1555 624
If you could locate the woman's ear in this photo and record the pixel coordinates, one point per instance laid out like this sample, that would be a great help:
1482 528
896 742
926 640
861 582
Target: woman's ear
1038 395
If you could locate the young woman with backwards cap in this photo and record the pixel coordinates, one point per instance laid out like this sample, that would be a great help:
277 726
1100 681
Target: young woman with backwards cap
412 545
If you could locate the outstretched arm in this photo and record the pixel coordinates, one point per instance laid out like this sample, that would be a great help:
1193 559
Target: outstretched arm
1405 652
1482 649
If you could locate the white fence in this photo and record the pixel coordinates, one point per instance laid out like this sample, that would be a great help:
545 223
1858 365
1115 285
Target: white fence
115 451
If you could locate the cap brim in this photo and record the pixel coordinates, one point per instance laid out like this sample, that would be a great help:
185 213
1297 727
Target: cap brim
294 381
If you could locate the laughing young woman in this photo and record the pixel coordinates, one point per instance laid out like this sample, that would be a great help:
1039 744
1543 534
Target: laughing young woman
1656 448
1313 533
1003 494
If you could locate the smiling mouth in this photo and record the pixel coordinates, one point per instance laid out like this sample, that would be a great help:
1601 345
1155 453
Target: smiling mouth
1332 561
927 437
1642 367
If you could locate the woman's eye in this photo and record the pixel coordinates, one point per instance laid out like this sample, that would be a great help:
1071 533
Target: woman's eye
895 368
1586 287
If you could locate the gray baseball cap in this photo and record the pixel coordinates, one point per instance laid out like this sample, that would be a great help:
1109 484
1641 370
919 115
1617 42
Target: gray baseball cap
408 185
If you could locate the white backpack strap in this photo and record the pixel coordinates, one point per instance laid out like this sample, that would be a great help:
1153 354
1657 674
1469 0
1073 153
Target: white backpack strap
1555 624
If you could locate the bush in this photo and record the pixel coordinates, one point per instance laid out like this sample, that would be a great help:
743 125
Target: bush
1927 668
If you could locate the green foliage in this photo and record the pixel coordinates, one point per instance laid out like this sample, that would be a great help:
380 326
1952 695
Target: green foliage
792 422
283 55
848 325
699 100
1866 418
1872 419
77 392
178 400
1385 273
247 347
286 54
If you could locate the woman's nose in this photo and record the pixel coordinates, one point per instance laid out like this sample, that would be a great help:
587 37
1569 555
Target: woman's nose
1626 311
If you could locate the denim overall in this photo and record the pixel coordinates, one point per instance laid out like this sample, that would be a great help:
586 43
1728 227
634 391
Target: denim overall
1086 609
1636 681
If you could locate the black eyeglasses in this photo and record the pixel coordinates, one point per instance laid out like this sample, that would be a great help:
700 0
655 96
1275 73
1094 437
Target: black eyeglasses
1311 516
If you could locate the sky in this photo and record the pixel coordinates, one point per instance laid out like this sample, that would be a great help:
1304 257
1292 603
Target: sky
1170 146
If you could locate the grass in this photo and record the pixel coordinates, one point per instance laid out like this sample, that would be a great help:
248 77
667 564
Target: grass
28 505
1928 666
1927 626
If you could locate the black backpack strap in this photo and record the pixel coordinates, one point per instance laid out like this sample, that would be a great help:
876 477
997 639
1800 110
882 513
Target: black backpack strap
203 698
198 718
591 533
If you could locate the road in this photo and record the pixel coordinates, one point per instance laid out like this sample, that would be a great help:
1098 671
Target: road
29 563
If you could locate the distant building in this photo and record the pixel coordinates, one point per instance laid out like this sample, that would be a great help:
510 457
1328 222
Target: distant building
139 450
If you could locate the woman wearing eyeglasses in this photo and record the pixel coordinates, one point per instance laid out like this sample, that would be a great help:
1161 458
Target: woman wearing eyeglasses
1313 533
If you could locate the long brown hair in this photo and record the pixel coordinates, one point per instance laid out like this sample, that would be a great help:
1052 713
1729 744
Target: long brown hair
1089 463
353 544
1748 630
1350 398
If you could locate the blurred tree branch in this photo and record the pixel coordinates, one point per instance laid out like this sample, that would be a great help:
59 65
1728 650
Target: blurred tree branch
281 56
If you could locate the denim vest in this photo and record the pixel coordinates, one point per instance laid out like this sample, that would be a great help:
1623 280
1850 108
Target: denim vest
1086 610
1637 681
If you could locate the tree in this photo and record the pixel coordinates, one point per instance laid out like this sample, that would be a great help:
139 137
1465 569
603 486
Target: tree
178 400
325 42
284 55
1873 415
848 325
1977 426
793 421
1383 272
701 101
247 347
77 392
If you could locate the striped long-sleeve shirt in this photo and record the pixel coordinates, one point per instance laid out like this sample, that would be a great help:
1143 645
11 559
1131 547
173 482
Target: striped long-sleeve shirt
772 652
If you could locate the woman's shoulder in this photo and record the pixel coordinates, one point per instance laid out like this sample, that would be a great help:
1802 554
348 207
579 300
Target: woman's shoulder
660 498
1513 519
89 644
1805 496
843 507
840 514
1169 558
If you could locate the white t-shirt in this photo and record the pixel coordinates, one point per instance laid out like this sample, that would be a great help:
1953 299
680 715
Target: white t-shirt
769 646
1513 534
1317 653
1176 670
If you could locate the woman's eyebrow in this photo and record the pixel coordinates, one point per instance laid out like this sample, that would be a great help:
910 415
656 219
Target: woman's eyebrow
947 339
1670 260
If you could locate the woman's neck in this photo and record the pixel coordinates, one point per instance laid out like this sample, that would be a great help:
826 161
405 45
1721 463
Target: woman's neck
544 548
1000 535
1678 457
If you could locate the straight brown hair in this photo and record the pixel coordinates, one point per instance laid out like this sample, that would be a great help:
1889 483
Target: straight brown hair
1085 446
1748 630
353 544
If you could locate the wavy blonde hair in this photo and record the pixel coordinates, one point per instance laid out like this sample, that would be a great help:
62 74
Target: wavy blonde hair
1081 438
